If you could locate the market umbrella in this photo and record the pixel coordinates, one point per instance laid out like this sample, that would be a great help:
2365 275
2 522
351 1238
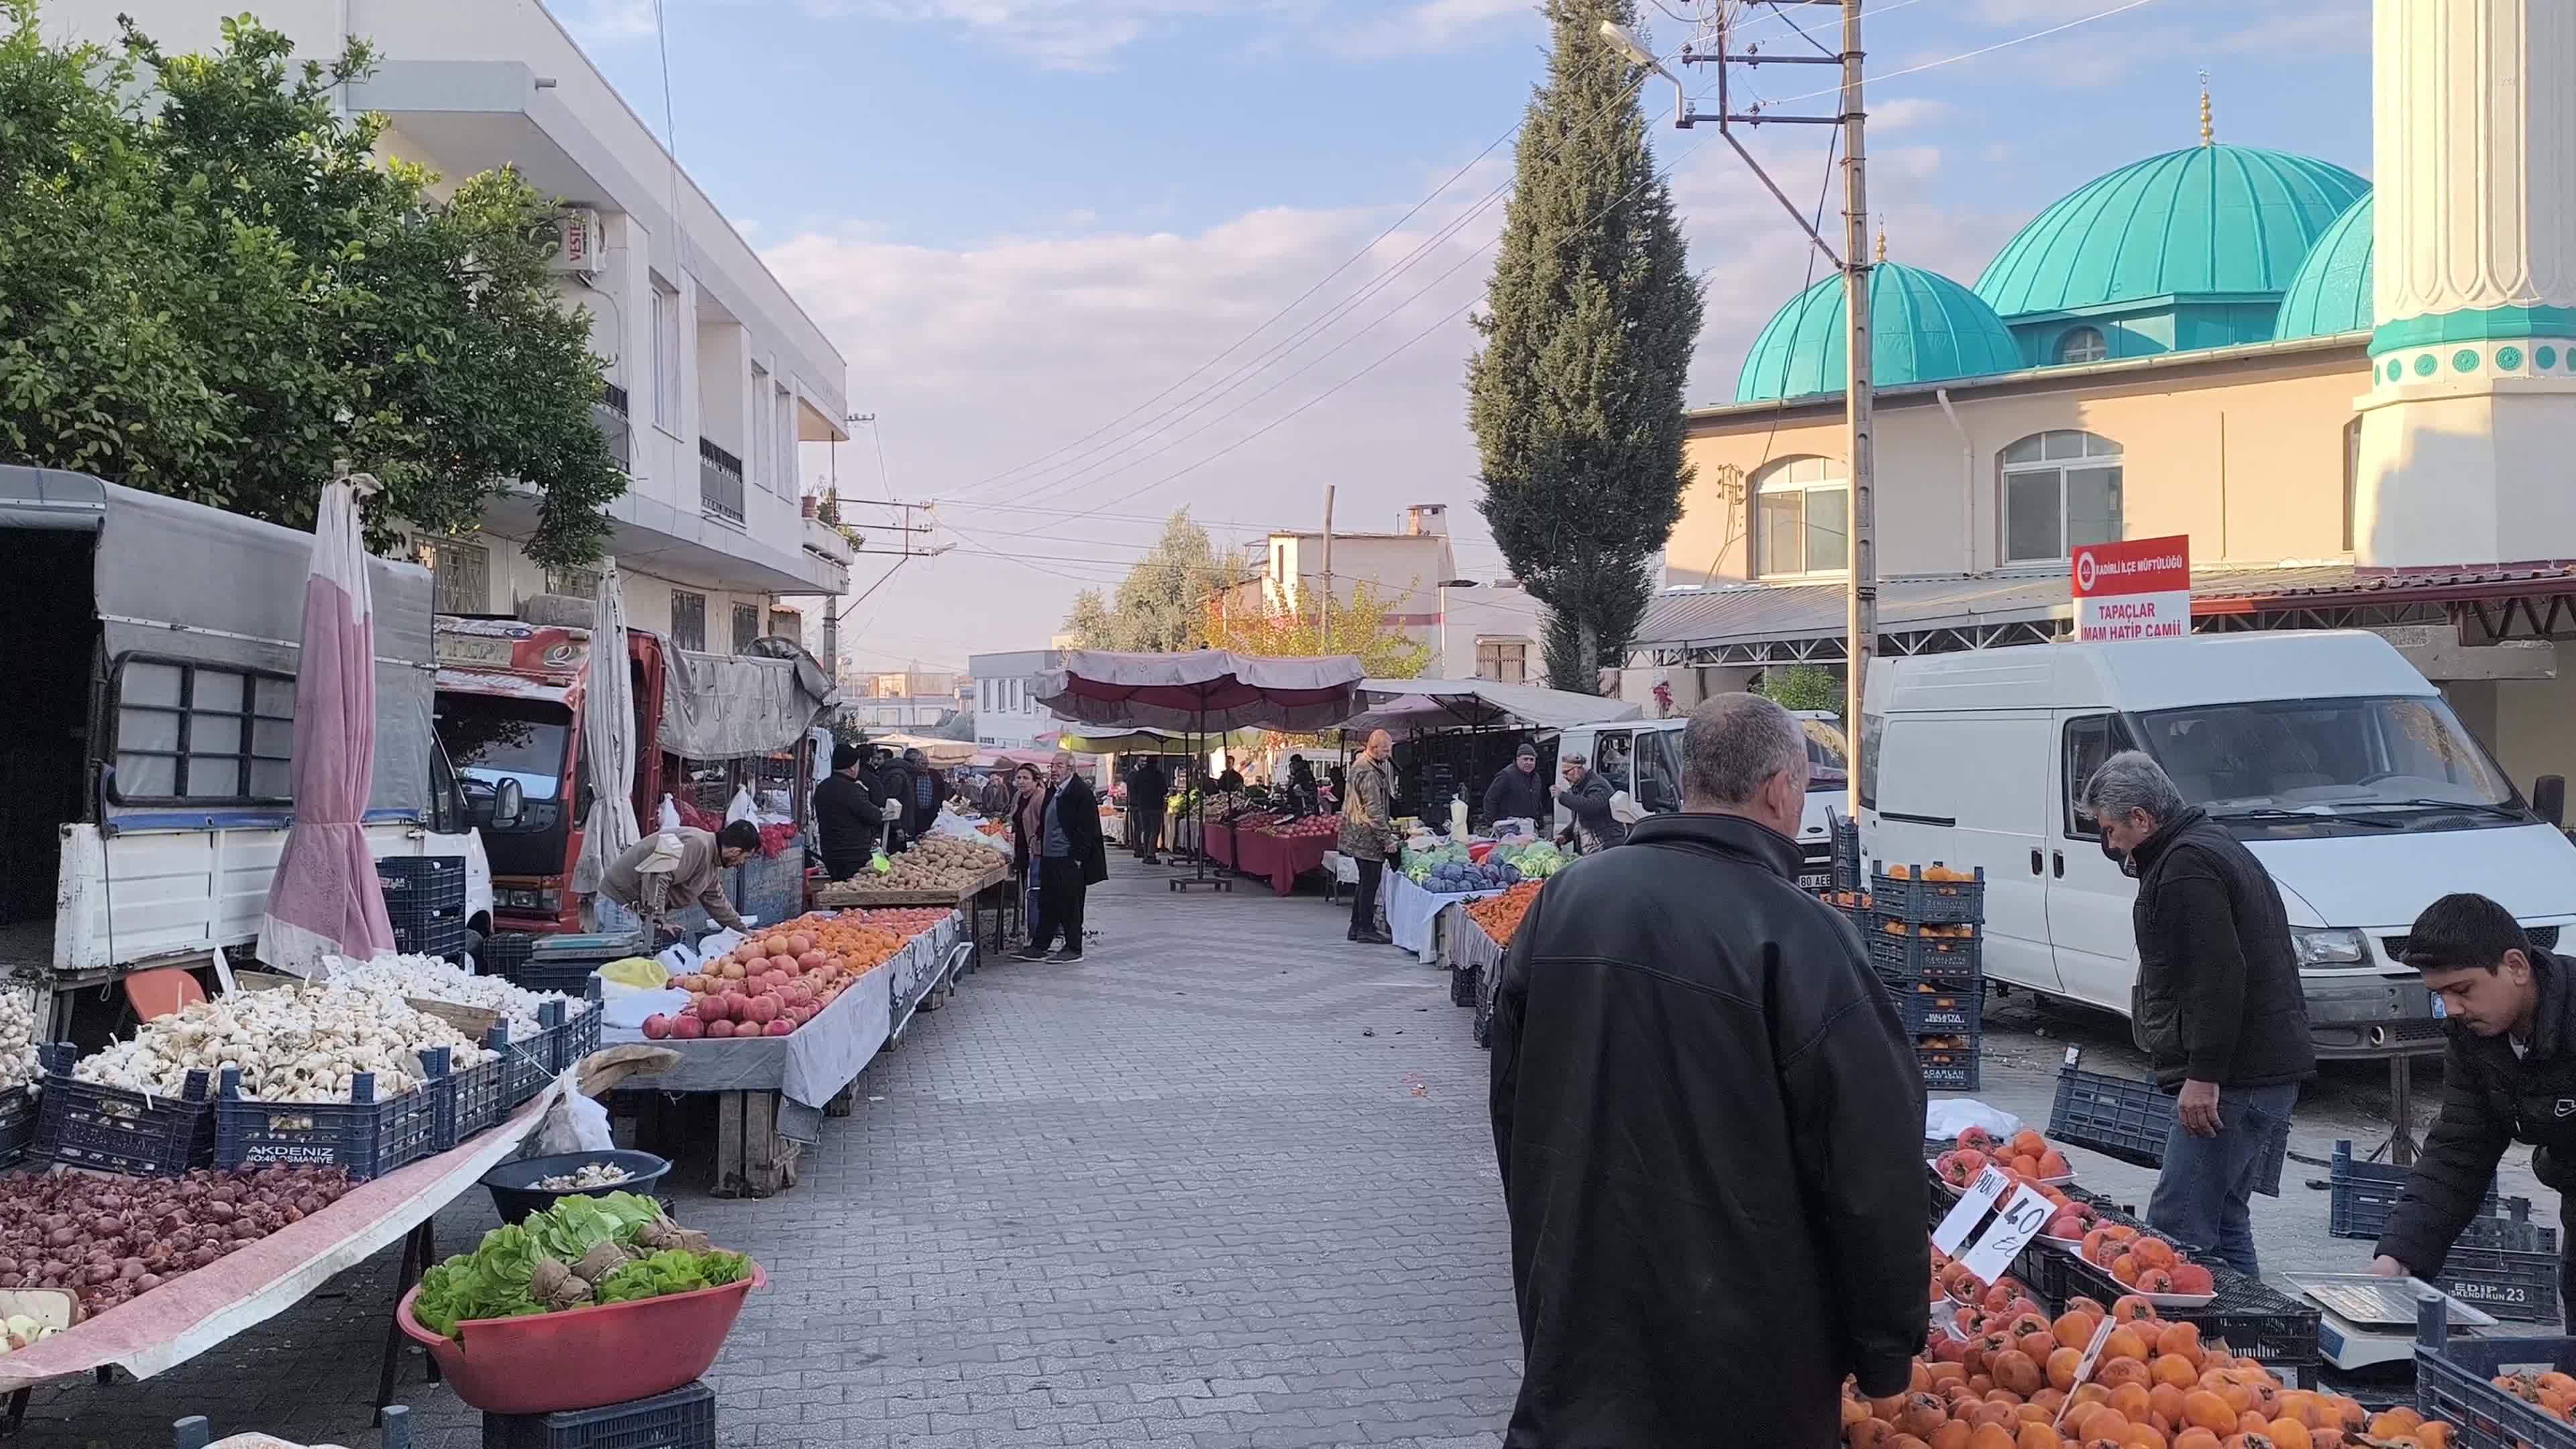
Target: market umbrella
608 739
325 898
1198 691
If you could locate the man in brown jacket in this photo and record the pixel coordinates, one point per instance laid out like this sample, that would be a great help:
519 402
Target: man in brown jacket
1368 832
672 870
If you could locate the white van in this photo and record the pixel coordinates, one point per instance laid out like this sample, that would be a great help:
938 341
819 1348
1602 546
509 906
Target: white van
2337 764
1644 758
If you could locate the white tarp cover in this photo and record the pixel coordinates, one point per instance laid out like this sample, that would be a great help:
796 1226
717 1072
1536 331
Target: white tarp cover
608 737
1455 703
724 706
1203 690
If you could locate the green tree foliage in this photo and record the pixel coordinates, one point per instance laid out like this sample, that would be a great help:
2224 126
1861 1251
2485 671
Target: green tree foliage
1802 686
1161 606
212 288
1576 395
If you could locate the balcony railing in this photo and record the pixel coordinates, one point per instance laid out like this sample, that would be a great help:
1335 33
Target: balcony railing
719 481
617 426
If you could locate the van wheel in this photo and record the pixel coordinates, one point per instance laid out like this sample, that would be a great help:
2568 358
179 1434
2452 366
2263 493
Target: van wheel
474 948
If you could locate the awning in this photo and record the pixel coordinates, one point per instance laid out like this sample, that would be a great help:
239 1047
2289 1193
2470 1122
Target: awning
1205 689
727 706
946 754
1465 703
1157 742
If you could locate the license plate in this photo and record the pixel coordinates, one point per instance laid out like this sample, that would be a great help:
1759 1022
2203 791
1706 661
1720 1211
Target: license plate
1816 882
473 649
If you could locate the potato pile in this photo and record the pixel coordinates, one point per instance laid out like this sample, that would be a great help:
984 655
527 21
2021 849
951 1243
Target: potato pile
940 862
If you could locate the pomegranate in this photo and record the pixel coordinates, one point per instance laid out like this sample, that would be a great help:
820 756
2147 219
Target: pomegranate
779 1028
688 1028
719 1028
657 1027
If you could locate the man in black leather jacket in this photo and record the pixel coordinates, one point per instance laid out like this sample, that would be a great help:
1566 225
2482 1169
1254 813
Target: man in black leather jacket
1709 1124
2508 1075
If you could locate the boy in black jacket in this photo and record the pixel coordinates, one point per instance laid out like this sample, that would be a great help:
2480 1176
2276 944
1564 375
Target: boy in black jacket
2509 1074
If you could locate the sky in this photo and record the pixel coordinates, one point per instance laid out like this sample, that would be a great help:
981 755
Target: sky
1093 261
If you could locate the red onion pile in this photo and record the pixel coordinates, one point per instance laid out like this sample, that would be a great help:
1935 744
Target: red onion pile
106 1239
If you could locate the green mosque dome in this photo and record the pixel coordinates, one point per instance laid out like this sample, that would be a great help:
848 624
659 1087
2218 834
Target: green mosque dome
1923 327
2331 294
2206 221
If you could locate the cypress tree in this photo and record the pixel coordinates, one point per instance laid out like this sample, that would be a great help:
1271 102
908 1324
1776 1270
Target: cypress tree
1590 318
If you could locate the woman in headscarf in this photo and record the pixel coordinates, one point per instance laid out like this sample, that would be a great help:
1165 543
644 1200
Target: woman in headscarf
1028 836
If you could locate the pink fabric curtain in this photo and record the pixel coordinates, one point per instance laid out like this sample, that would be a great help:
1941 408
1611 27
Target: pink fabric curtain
325 899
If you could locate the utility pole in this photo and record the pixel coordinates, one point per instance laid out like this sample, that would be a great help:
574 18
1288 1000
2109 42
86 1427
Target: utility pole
1324 607
1718 44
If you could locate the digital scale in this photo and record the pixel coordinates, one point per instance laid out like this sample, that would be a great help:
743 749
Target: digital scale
2365 1320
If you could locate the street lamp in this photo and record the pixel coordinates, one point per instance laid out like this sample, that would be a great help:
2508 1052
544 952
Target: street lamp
1636 54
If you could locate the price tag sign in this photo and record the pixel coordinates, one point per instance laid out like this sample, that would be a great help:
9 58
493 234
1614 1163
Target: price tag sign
2084 1365
1981 1195
2023 1215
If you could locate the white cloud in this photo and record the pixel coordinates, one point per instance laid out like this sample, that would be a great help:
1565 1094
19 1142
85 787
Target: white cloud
1061 34
1431 25
611 22
1906 113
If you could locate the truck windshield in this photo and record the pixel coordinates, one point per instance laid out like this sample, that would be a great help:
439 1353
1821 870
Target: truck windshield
2283 766
493 739
1828 755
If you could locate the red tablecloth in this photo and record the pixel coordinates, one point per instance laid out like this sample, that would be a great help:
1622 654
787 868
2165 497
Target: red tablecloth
1283 858
1220 843
1256 851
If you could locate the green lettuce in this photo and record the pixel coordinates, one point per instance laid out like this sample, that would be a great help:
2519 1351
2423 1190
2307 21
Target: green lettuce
490 1282
631 1210
673 1271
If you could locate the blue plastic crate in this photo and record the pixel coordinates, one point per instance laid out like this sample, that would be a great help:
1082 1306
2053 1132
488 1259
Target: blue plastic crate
684 1418
17 1122
2130 1120
113 1129
2362 1193
2454 1381
1929 902
2506 1265
480 1096
1948 1060
1905 951
1928 1007
364 1136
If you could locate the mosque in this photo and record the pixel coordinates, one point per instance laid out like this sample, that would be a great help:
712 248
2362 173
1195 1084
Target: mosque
2358 401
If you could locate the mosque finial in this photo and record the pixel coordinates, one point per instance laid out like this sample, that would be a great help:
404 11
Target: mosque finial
2208 133
1882 236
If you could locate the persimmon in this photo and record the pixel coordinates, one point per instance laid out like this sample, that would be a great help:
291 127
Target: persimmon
2061 1368
2126 1342
2182 1341
2196 1437
1905 1441
2289 1433
2130 1308
2172 1370
1922 1415
1867 1434
2131 1401
2390 1422
1952 1435
1991 1436
2038 1436
2075 1330
2038 1345
2164 1401
2121 1373
2204 1409
2014 1370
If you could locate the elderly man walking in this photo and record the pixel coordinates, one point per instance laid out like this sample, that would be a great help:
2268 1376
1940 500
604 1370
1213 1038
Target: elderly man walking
2218 1006
1709 1124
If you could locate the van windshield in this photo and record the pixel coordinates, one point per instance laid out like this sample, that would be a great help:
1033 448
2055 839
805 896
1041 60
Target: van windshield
1828 755
493 739
2283 766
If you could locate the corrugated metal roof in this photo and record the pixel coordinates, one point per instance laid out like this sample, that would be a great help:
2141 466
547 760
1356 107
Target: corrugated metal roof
1769 613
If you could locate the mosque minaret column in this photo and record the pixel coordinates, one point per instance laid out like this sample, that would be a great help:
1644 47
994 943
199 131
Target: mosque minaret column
2468 431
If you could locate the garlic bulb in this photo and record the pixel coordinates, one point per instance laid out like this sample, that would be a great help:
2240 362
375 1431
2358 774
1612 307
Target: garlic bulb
292 1044
17 1035
431 978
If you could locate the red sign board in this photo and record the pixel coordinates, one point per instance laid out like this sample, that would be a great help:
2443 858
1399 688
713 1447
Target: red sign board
2136 589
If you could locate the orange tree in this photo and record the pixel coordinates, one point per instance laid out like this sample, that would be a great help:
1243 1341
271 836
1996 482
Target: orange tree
1354 625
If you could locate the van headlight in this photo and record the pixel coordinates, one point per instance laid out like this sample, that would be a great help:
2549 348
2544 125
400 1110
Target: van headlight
2329 946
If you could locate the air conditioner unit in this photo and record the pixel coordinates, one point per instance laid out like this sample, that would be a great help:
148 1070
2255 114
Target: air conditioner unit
579 242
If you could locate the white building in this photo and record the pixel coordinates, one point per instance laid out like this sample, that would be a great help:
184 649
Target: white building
1007 714
717 376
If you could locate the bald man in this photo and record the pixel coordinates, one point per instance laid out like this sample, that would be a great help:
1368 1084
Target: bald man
1368 831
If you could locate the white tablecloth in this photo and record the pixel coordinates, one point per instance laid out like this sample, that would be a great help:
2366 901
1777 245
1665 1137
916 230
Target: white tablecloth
1410 910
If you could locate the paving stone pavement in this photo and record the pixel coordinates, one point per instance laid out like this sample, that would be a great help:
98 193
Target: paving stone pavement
1227 1182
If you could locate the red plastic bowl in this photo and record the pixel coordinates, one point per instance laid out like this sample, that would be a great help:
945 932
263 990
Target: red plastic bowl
587 1358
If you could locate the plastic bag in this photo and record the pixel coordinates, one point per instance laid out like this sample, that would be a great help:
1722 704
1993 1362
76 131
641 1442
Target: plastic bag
679 958
574 1123
627 1006
741 806
719 943
670 817
1944 1118
643 972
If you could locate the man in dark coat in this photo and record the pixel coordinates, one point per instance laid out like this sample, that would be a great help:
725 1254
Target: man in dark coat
1709 1123
849 815
926 790
1586 796
894 782
1518 791
2218 1005
1071 859
1148 788
2508 1075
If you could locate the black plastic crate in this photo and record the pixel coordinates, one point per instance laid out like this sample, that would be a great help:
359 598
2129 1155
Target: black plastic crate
113 1129
1937 1006
2363 1193
1846 855
17 1122
1908 952
2256 1321
2130 1120
422 885
2505 1265
1948 1066
1462 985
564 963
365 1136
2454 1382
684 1418
1909 897
578 1036
504 953
446 938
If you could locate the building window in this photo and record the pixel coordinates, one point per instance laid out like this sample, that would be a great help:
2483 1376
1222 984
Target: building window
785 403
763 434
746 627
666 357
195 733
1798 526
1504 660
462 574
573 583
688 620
2351 479
2061 492
2082 344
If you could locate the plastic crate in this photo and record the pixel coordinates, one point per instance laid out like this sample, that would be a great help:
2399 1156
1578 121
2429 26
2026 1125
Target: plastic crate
364 1136
1462 985
2130 1120
684 1418
17 1122
1909 953
2453 1381
1947 1064
564 963
1846 867
443 938
2363 1193
479 1096
505 952
2256 1321
112 1129
1932 1006
422 886
2505 1265
1930 902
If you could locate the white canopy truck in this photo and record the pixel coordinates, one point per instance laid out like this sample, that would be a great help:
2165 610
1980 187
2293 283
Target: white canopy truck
2342 769
1644 758
146 738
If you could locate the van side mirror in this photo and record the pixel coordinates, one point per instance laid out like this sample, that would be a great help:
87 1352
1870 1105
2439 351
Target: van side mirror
2549 799
509 803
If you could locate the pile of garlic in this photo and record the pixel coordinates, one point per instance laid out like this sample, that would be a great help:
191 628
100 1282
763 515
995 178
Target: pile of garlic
432 978
292 1043
17 1035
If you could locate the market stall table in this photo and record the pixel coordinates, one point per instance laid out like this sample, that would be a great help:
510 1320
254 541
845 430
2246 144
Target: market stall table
1281 859
1475 966
1413 914
991 891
